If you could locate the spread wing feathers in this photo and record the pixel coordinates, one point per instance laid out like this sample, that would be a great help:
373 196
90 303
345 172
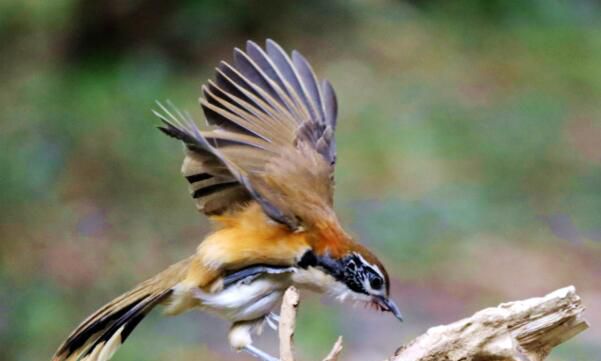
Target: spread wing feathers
271 133
212 184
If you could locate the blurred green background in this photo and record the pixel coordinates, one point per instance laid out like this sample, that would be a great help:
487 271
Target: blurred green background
469 147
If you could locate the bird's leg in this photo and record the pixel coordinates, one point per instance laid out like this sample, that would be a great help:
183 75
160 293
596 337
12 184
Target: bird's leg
258 353
273 320
240 338
274 316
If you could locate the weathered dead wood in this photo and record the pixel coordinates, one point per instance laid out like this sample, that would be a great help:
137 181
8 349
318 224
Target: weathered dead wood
515 331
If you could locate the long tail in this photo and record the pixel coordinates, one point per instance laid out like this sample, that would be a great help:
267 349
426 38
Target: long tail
100 335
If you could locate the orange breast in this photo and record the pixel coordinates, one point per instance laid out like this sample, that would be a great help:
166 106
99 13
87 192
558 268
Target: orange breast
243 239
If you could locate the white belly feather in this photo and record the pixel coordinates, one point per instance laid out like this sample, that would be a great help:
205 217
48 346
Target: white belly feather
243 302
255 298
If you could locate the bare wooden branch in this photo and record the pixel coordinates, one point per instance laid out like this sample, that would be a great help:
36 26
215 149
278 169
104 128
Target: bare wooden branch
516 331
288 323
336 349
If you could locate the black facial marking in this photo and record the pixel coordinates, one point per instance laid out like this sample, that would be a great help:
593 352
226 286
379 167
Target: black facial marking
350 270
356 272
353 273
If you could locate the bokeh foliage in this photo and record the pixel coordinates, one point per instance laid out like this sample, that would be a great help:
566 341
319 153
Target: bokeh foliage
469 158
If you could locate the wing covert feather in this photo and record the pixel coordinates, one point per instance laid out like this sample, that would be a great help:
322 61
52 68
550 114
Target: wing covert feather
271 138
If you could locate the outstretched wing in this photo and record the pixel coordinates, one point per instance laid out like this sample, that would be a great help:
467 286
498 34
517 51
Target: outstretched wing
271 137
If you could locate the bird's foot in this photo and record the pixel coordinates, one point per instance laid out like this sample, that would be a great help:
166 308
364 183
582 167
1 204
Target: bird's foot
258 353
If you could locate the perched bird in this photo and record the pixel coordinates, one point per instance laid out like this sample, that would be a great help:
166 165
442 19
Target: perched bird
263 172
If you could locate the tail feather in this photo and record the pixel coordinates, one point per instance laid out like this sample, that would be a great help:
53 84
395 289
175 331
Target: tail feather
101 334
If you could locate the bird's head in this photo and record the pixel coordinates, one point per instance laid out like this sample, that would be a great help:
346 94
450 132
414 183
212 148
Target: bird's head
357 276
367 281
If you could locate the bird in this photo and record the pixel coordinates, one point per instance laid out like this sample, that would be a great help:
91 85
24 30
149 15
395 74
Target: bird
262 170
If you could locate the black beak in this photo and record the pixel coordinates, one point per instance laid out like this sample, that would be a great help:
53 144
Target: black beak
388 305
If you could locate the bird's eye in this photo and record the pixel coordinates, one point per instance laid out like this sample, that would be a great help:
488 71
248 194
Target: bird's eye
376 283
